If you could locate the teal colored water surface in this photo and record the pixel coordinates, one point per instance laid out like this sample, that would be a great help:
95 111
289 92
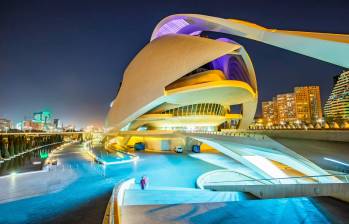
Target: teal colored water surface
95 180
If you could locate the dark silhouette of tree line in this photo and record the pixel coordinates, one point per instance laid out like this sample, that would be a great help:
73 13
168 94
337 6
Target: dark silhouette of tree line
13 145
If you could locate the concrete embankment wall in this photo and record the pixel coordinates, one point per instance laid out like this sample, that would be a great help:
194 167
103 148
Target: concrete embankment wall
338 190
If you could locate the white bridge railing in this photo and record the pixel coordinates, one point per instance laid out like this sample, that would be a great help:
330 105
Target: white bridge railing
343 178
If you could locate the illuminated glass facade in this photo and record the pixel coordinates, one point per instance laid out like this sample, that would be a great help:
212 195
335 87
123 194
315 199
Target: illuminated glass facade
42 117
198 109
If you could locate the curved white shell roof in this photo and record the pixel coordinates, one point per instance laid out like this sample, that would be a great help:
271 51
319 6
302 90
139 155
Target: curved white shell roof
158 64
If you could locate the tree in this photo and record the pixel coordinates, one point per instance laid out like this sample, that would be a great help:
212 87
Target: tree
5 152
16 142
11 146
28 142
23 145
1 148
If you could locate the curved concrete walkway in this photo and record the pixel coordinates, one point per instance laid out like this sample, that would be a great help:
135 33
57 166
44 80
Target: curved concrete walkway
284 210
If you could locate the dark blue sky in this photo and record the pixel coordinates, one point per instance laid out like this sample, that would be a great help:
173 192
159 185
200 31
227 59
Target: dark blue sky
69 56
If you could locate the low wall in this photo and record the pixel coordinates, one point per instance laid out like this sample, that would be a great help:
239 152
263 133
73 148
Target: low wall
337 190
113 213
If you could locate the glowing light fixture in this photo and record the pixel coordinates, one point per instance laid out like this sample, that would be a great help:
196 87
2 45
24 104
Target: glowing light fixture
336 161
43 155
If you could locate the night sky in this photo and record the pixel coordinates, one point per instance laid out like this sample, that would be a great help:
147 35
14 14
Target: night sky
69 56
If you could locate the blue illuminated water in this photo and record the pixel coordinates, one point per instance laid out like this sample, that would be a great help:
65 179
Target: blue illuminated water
95 180
171 170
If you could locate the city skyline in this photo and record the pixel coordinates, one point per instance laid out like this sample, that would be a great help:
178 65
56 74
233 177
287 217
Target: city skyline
50 46
302 105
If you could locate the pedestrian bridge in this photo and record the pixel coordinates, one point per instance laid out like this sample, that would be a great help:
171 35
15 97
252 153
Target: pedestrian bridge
258 151
129 204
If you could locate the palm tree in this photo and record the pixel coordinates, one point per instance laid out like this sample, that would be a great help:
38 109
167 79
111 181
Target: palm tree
11 146
16 142
5 151
1 148
23 148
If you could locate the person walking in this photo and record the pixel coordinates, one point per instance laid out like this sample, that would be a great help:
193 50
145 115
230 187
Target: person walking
144 182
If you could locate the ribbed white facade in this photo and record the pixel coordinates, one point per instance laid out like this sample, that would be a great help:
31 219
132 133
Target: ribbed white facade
337 105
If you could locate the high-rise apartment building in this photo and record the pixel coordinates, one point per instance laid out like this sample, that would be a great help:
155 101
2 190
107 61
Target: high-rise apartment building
337 105
303 105
308 103
269 112
42 117
286 110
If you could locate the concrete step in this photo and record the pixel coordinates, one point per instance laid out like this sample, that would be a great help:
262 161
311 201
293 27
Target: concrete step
152 187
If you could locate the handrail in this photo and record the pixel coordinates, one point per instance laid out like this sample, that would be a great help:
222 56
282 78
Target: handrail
203 177
233 133
42 133
117 200
286 178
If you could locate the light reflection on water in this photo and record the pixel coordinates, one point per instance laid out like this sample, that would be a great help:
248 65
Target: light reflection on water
30 161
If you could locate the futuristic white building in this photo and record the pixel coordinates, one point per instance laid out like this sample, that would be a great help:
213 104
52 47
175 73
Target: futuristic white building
185 78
